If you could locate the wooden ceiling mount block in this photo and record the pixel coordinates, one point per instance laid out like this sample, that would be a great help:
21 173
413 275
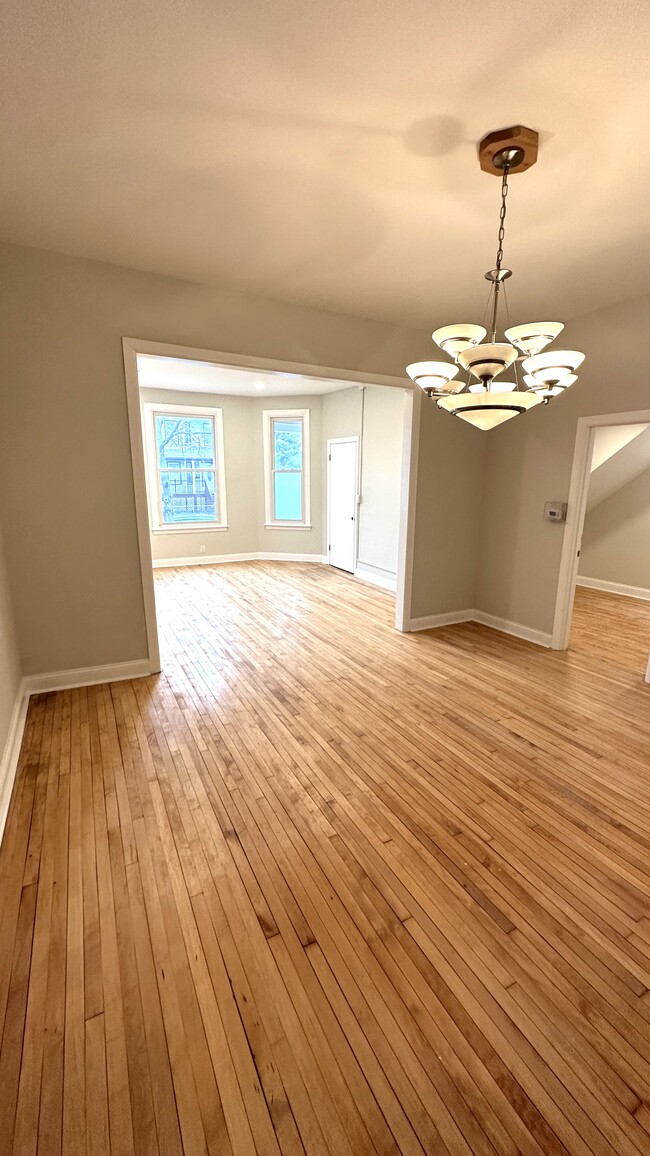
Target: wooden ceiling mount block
493 149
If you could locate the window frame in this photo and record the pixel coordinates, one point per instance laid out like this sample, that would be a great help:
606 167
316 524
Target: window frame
268 417
154 491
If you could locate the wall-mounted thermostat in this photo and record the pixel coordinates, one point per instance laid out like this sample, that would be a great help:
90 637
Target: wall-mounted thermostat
555 511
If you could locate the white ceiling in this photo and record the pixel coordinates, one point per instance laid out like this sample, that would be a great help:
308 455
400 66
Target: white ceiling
325 153
621 453
202 377
610 439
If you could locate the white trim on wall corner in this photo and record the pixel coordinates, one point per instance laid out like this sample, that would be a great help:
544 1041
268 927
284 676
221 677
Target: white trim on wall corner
215 559
408 488
385 579
614 587
452 617
244 361
86 676
265 556
10 755
449 618
539 637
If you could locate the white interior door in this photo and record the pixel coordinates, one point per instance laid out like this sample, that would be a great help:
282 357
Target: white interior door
342 502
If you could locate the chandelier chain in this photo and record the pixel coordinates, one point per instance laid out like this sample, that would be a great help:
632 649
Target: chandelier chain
497 270
502 218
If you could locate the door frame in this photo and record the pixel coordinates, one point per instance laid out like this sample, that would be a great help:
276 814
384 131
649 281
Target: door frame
132 346
576 510
338 441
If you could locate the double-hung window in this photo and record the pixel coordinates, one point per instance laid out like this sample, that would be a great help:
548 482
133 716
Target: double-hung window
286 467
185 467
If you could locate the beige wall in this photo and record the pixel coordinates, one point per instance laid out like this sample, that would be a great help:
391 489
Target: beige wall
451 461
342 414
616 536
381 477
381 466
529 462
10 673
66 492
244 458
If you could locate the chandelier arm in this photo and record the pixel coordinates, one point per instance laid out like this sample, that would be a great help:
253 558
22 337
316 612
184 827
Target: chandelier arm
514 364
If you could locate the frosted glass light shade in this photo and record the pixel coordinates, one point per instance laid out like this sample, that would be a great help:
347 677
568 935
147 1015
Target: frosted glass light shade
434 375
534 336
495 387
486 361
489 409
551 367
455 338
550 389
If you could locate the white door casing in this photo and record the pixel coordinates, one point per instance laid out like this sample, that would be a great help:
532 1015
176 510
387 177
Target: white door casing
577 505
133 346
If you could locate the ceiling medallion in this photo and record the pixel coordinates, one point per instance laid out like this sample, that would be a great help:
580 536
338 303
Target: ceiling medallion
481 399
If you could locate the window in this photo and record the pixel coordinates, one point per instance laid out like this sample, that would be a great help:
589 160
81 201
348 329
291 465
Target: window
286 467
185 460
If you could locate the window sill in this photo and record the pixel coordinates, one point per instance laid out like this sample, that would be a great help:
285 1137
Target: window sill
204 529
287 526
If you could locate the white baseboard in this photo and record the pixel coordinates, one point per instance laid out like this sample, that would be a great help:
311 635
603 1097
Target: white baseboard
386 579
614 587
264 556
86 676
539 637
431 621
9 761
215 559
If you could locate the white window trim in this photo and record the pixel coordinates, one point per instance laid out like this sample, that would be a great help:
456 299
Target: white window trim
157 526
269 521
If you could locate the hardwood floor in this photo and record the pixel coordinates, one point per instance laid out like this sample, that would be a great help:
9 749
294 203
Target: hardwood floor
611 627
325 889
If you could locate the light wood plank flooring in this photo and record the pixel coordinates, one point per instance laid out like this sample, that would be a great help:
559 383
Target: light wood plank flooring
611 627
325 889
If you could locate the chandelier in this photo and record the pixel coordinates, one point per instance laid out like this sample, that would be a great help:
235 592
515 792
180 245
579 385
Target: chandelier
484 399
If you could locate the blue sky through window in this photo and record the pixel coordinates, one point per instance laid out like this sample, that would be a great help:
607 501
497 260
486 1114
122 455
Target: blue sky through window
287 469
